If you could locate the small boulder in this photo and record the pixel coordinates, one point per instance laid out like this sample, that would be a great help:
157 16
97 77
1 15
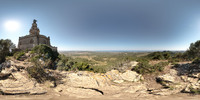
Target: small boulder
20 84
4 76
118 81
131 76
78 80
133 63
113 75
166 78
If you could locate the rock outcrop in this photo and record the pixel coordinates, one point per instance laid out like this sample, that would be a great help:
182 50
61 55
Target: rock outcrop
183 78
14 79
128 75
14 82
102 84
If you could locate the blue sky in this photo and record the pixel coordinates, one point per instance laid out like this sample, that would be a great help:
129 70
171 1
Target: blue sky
106 24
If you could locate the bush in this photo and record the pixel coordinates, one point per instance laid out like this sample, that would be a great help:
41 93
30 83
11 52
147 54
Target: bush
17 55
5 49
45 54
196 61
194 91
193 51
82 66
100 69
45 51
160 66
66 64
173 61
165 55
156 56
144 67
39 73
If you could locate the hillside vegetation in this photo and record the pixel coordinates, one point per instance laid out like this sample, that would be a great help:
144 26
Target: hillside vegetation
171 72
5 49
103 61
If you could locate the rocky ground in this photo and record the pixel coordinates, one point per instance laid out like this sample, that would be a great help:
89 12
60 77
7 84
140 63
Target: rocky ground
16 83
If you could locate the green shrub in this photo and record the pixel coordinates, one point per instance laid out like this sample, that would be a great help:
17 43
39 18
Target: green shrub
39 73
196 61
100 69
17 55
144 67
5 47
165 55
160 66
194 91
45 54
82 66
156 56
34 58
66 64
193 51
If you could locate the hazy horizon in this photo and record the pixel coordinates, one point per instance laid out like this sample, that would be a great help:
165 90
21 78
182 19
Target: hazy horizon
120 50
105 25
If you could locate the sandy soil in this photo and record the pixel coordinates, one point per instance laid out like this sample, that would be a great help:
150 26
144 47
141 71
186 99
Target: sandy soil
50 97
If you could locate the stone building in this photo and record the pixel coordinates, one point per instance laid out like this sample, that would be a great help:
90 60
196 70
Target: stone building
34 38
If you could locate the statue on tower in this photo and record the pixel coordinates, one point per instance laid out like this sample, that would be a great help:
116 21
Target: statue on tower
34 21
34 29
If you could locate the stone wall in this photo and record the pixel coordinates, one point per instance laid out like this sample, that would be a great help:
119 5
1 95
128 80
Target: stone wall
30 41
44 40
27 42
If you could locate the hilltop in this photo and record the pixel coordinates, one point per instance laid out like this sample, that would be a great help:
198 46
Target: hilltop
41 71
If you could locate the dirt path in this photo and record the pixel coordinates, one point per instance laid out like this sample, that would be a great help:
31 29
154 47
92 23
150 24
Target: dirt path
50 97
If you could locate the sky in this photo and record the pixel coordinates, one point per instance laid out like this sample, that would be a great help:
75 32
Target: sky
105 24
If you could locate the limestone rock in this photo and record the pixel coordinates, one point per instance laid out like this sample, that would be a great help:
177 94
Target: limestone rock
192 86
20 84
166 78
89 80
131 76
164 92
195 75
4 76
118 81
78 91
133 63
136 88
81 80
9 70
113 75
117 77
101 79
169 77
50 84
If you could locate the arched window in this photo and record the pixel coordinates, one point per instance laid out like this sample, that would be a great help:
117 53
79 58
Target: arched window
31 41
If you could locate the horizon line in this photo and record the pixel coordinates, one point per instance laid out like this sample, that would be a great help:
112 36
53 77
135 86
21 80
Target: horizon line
115 50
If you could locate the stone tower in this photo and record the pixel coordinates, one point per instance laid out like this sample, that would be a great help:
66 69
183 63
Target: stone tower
34 38
34 29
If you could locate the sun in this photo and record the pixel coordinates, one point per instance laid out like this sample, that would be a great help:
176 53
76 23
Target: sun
12 25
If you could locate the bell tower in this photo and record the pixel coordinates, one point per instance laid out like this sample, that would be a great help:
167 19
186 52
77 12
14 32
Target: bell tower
34 29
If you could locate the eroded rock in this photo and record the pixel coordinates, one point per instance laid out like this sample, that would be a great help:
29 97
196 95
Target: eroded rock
21 84
131 76
80 92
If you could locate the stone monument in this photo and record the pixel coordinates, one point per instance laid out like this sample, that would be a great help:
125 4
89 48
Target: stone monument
34 38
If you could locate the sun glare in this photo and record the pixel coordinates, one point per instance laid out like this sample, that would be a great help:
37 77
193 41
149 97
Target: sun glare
12 25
